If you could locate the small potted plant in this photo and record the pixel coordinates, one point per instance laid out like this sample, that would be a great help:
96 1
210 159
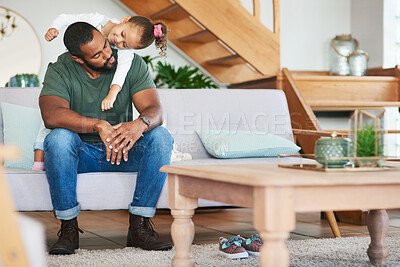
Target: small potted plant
24 80
368 147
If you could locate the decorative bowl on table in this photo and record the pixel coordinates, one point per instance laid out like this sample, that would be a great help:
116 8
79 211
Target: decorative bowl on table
331 152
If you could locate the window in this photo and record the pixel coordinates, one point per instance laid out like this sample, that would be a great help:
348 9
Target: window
391 33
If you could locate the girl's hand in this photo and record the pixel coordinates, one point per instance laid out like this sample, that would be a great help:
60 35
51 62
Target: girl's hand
51 34
108 102
125 19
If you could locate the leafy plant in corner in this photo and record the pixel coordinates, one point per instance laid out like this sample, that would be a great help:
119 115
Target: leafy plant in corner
149 61
186 77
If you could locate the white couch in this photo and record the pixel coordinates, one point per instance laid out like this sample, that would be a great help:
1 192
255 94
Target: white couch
185 110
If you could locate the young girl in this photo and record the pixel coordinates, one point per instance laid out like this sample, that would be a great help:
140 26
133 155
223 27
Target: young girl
134 32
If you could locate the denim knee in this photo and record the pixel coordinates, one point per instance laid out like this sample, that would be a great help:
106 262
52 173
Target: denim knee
161 138
61 140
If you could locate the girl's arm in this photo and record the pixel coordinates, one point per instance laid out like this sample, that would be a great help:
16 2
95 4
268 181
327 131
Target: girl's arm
64 20
125 58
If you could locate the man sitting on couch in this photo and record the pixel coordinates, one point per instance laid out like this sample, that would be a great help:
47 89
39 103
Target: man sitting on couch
87 139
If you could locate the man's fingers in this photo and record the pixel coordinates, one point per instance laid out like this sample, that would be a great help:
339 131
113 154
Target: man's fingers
108 153
113 137
113 156
127 149
125 154
117 126
129 140
116 142
119 156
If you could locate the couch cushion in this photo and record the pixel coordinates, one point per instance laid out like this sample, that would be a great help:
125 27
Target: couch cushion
245 144
187 111
20 127
30 191
27 97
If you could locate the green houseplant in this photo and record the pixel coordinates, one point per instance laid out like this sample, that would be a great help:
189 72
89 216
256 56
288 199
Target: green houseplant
369 144
186 77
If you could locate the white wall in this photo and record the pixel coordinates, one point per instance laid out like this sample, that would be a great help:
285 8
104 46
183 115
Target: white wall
367 27
40 13
307 26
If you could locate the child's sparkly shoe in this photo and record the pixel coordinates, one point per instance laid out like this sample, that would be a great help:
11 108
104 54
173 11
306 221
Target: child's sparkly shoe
252 244
231 248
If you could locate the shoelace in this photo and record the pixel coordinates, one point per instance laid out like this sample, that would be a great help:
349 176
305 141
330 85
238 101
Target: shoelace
234 240
256 238
67 228
149 225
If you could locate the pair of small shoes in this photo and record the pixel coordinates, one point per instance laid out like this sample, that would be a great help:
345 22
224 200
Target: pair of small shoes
252 244
232 248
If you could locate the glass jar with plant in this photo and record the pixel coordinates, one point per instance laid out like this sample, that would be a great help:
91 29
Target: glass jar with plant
368 146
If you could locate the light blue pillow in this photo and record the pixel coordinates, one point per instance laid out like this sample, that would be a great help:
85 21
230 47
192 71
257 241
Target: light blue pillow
20 128
242 144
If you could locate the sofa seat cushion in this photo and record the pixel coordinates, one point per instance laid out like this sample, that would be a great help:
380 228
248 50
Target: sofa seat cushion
30 191
215 161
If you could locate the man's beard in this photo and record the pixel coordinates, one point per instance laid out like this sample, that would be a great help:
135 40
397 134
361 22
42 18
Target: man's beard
103 68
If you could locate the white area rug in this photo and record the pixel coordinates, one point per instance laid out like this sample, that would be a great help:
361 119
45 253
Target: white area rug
350 251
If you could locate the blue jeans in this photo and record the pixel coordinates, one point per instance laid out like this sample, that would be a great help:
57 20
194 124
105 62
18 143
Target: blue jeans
66 155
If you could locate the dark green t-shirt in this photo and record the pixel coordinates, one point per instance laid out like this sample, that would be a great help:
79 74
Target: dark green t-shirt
67 79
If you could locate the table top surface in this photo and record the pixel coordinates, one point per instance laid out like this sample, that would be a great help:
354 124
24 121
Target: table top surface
272 175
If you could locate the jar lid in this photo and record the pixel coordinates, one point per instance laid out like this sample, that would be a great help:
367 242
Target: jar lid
328 140
343 37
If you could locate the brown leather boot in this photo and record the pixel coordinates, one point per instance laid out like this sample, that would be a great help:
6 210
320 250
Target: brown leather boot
142 235
68 238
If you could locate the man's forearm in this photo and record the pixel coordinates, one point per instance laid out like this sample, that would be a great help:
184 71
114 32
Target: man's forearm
56 114
154 114
68 119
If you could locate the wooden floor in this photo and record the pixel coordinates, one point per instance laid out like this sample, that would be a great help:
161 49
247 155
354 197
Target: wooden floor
108 229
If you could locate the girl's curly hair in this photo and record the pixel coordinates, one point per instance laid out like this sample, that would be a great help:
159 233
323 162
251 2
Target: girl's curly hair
147 32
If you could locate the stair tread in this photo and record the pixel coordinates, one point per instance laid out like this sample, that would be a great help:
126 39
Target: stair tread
174 12
331 105
301 77
228 60
203 36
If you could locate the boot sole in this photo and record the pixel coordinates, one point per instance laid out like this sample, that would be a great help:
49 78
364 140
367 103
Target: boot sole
164 248
60 251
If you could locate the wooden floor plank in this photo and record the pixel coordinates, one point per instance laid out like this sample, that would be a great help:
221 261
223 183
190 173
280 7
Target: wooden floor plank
108 229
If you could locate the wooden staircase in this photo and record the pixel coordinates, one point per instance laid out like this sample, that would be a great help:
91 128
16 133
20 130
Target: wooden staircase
220 35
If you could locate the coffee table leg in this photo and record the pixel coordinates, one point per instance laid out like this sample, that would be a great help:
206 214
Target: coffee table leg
182 228
378 222
182 232
274 219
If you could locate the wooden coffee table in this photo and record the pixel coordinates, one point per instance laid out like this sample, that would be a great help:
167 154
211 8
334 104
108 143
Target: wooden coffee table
275 194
